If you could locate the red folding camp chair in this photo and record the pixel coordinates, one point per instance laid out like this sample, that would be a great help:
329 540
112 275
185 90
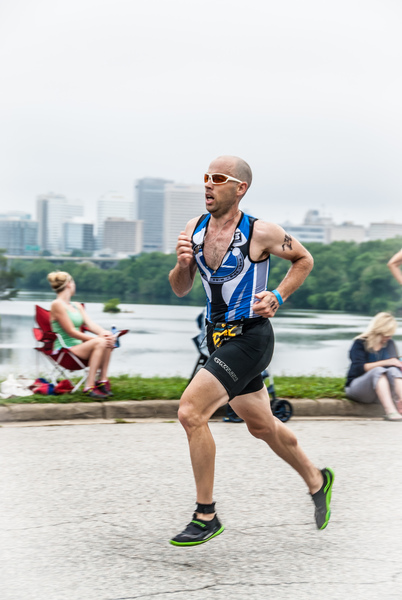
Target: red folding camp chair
62 360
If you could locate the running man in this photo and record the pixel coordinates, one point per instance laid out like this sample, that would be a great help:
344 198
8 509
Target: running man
231 251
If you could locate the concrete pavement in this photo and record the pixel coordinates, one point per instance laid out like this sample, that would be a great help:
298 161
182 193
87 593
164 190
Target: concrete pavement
86 514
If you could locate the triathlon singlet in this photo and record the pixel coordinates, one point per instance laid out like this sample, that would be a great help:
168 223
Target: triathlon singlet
232 287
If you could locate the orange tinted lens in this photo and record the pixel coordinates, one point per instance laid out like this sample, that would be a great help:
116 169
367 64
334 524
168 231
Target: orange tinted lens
206 178
218 178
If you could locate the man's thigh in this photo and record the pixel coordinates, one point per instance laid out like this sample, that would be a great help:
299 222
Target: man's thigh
205 394
254 408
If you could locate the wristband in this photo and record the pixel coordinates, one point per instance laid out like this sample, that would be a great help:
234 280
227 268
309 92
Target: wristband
278 296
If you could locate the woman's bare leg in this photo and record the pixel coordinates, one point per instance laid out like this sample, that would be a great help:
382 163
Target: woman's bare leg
93 351
384 394
105 364
398 392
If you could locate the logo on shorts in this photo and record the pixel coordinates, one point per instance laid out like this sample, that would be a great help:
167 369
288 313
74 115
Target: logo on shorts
226 368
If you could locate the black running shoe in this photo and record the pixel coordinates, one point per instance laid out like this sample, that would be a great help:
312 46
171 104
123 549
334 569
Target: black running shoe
198 532
322 499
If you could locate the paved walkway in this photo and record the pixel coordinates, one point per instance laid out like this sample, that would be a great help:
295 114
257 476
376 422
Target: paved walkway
86 513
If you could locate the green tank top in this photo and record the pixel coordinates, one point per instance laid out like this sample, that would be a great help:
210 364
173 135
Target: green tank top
77 320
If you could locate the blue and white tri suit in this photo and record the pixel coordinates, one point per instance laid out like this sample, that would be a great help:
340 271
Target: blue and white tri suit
230 292
232 287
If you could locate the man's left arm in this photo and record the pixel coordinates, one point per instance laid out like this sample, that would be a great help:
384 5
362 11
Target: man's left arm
269 238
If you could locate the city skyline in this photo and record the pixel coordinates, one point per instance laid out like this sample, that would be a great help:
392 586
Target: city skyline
91 208
308 93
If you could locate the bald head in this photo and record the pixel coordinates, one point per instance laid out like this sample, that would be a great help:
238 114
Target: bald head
235 166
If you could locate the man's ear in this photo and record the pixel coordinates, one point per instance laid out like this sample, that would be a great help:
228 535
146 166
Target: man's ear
242 188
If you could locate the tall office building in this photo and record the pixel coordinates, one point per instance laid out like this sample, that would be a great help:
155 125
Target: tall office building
53 210
78 235
150 198
182 203
122 236
19 236
112 204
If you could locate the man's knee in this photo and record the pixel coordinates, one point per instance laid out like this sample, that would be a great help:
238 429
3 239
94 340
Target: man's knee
263 430
188 414
273 432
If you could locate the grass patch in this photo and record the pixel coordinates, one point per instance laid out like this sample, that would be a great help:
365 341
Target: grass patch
126 387
310 387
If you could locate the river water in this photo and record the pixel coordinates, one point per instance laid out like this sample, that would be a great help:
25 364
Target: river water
160 339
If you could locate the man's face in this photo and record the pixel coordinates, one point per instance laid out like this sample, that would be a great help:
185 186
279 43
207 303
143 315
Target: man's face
219 199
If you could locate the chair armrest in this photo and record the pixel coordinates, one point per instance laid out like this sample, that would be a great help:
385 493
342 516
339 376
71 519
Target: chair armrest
122 332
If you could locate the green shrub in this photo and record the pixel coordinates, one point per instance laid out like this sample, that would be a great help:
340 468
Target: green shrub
111 305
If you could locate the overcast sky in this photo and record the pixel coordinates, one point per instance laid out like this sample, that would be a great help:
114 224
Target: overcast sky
97 93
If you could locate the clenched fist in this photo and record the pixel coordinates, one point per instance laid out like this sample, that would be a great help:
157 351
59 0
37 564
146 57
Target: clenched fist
267 304
184 250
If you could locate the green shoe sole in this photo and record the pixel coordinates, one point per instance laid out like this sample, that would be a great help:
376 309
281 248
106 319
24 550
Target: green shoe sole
328 492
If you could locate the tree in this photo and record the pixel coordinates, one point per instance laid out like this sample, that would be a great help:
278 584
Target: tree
346 277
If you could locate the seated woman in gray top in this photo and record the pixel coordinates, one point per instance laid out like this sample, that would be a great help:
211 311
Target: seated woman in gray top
375 374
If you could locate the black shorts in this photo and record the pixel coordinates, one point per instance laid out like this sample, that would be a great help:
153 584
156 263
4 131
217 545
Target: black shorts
238 363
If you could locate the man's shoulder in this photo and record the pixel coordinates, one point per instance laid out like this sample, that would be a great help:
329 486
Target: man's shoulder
191 225
265 228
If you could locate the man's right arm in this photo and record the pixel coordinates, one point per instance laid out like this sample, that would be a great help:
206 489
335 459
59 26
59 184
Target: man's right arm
394 266
181 278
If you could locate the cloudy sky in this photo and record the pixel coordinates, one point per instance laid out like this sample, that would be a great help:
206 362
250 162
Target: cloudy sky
97 93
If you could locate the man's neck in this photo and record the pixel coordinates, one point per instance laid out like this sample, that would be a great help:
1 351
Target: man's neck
228 218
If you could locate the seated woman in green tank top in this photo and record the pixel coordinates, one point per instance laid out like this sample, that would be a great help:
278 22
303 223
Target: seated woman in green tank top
67 317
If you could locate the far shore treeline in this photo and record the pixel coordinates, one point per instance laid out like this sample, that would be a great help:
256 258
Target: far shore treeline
346 277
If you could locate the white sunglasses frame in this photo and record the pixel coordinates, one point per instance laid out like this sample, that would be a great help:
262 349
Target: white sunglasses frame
229 178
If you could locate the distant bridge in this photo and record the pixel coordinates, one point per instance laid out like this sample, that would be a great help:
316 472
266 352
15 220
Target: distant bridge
104 262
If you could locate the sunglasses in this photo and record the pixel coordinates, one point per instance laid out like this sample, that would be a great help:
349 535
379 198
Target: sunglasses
219 178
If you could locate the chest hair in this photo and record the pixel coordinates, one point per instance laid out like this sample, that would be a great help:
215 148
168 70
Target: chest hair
216 248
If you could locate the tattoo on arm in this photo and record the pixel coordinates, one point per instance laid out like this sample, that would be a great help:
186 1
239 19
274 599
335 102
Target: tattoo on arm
287 242
273 305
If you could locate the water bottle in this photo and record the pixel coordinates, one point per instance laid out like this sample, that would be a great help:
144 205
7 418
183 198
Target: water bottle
115 331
